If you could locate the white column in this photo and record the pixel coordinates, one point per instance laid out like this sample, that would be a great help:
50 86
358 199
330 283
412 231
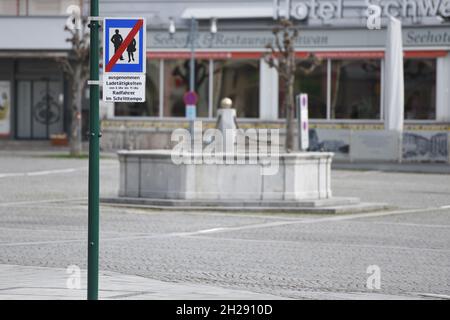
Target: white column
442 89
161 88
268 92
210 88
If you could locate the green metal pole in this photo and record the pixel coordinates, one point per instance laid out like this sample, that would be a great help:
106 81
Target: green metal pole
94 162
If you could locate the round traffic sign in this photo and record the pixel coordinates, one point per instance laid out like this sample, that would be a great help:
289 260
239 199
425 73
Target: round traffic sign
190 98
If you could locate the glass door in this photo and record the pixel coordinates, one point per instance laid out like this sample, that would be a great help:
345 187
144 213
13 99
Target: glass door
23 110
40 110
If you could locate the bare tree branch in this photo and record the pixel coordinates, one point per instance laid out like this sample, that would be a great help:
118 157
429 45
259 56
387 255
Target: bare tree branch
75 67
65 65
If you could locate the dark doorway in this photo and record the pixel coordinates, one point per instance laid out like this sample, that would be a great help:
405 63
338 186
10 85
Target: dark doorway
39 109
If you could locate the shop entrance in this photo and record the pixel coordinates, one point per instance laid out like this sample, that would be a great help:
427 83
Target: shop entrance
40 109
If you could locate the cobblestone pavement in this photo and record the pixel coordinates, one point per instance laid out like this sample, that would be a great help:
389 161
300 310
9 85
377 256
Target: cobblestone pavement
43 222
44 283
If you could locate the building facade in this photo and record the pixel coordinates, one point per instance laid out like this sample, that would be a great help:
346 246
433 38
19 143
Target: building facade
345 91
33 89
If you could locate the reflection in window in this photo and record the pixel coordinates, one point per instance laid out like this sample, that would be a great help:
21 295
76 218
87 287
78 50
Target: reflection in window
239 81
420 89
176 84
149 108
355 90
313 83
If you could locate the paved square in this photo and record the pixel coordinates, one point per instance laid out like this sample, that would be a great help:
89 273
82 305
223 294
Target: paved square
43 223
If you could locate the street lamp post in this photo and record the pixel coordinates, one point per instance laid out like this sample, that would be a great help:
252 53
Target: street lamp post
192 36
192 42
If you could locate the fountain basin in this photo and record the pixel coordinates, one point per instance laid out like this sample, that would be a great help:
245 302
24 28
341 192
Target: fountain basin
153 174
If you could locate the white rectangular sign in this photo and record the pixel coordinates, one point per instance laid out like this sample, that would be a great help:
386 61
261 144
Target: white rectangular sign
124 87
302 101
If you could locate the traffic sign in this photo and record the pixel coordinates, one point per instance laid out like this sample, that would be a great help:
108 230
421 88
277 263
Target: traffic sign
124 59
124 45
190 98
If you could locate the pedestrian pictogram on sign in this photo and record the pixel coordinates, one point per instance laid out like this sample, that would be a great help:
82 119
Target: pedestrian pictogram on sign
124 59
124 45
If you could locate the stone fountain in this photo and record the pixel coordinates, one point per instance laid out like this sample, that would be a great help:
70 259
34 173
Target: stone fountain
201 176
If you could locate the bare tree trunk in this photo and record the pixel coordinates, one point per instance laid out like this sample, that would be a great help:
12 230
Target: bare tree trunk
75 136
76 68
282 58
289 144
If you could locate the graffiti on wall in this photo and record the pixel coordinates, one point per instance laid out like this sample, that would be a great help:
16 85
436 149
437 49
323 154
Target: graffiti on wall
417 146
420 147
329 145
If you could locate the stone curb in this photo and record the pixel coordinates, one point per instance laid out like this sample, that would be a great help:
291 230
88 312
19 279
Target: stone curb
346 207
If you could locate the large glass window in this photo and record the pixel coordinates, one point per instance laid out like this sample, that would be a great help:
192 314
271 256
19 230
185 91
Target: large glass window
420 89
239 81
149 108
312 81
176 84
355 89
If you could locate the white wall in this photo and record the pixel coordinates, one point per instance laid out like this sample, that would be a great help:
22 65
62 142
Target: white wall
50 7
34 33
8 7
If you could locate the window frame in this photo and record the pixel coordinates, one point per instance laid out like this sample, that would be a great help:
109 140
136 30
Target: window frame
326 120
425 121
249 119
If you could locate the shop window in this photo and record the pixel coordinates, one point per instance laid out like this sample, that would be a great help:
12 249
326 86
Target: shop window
355 89
239 81
176 84
420 89
149 108
312 81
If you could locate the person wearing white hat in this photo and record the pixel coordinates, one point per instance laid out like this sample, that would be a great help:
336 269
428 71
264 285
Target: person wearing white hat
226 121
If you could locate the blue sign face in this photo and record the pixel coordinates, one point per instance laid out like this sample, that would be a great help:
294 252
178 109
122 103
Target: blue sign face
124 45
